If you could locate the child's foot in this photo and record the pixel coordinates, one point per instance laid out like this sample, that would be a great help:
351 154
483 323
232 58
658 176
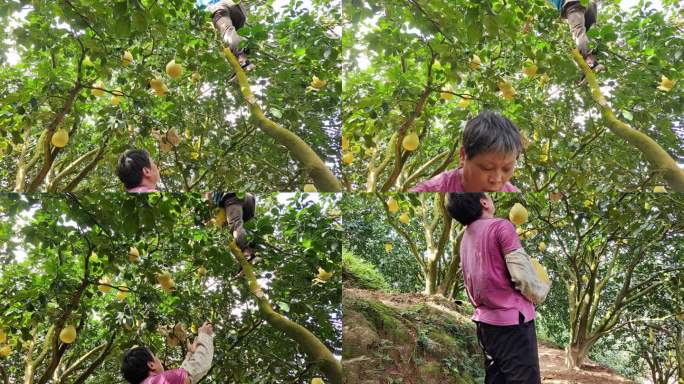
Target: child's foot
244 62
593 65
250 256
598 68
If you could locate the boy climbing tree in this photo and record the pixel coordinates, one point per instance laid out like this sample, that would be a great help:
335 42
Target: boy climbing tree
580 19
238 210
503 286
228 17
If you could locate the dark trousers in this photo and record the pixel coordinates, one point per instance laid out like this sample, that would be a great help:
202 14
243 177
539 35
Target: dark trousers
227 19
238 211
510 353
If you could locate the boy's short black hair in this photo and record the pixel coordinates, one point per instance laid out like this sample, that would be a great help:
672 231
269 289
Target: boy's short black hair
491 132
130 167
465 207
134 365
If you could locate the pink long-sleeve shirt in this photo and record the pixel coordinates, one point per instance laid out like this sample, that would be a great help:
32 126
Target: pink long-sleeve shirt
487 280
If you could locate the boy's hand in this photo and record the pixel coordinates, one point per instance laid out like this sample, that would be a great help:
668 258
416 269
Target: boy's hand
192 347
206 328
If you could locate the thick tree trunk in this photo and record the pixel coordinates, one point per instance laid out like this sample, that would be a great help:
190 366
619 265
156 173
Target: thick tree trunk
309 160
575 354
660 160
317 352
431 273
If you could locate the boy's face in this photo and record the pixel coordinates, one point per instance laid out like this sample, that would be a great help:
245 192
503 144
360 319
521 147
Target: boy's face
155 365
487 172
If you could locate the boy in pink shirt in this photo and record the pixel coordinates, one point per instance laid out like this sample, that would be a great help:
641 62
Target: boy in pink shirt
138 171
503 287
490 149
141 366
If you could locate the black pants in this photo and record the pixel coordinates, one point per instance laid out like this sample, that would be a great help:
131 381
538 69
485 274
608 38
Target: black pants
238 211
510 353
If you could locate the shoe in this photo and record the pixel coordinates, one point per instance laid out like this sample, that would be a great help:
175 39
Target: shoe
598 68
593 64
245 64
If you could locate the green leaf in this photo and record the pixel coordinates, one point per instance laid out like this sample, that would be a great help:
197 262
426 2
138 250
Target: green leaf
122 26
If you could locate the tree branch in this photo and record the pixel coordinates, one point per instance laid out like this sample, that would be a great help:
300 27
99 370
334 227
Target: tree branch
321 175
660 160
312 346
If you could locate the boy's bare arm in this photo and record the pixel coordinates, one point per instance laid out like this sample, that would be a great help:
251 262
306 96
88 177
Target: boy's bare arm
525 277
198 360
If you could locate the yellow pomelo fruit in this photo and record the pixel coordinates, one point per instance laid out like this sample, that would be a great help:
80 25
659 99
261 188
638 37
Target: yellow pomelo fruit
68 334
317 83
168 285
507 90
542 246
323 275
317 380
97 89
345 143
174 70
126 58
5 351
201 271
157 84
389 247
347 158
133 254
404 218
410 142
659 189
123 288
104 288
392 205
518 214
465 101
60 138
163 277
530 70
665 84
161 92
446 95
310 188
475 62
116 100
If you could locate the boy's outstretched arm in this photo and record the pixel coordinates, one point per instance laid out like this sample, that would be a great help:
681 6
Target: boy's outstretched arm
198 360
525 277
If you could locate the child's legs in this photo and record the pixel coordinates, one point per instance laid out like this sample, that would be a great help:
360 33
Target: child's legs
236 224
224 24
513 351
575 15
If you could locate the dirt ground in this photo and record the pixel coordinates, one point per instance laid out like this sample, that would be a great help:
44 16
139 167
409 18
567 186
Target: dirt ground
551 358
553 370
